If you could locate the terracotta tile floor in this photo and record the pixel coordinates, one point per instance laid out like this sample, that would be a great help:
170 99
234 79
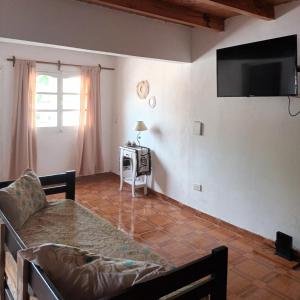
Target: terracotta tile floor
181 236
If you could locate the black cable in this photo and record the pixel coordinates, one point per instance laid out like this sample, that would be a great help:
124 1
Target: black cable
289 108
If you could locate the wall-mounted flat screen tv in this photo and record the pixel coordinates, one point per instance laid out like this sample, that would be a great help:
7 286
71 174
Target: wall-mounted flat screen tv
266 68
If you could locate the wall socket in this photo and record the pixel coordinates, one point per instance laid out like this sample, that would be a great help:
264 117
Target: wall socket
197 187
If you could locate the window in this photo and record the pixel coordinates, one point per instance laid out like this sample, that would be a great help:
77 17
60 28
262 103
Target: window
57 99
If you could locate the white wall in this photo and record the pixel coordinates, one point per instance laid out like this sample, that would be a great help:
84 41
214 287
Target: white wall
55 149
168 123
248 160
81 25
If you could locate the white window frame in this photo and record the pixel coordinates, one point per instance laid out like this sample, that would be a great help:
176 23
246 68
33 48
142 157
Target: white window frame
60 75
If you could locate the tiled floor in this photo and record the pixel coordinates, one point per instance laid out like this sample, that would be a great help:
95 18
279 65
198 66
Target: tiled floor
181 236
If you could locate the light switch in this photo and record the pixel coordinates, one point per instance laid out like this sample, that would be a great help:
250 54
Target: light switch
197 128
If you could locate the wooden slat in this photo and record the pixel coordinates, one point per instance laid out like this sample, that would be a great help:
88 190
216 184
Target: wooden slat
8 295
46 180
219 290
22 278
53 179
164 11
55 184
2 261
41 285
214 263
258 9
195 293
55 189
71 184
12 241
11 271
4 184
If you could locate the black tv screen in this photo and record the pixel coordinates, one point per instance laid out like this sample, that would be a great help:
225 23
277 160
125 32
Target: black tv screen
266 68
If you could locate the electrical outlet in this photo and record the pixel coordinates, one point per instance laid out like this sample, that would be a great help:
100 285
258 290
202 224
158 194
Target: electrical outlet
197 187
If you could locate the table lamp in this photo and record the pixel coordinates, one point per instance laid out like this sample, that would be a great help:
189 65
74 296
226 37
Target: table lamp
139 127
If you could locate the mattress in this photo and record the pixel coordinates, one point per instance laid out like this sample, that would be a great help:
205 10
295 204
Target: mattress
67 222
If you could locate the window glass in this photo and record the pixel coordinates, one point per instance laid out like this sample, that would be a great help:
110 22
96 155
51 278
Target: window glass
71 102
57 100
71 84
46 119
46 84
70 118
46 102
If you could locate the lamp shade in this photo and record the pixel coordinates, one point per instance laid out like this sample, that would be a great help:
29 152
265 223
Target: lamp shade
140 126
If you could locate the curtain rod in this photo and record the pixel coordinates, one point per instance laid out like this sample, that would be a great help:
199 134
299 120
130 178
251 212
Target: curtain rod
58 63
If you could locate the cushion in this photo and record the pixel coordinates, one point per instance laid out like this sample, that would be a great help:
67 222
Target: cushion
22 198
79 274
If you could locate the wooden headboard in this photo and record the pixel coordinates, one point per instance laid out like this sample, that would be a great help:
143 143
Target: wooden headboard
55 184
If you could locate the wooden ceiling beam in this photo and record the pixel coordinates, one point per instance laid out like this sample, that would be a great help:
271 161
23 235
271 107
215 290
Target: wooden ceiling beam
164 11
256 8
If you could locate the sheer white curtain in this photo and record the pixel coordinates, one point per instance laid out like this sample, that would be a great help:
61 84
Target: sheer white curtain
23 143
89 155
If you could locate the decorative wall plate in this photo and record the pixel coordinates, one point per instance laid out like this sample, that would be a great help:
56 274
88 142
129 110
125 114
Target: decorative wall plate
142 89
152 101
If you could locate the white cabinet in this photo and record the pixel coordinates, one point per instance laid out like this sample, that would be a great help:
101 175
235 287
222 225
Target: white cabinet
128 173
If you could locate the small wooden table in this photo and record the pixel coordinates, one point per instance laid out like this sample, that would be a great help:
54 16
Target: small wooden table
130 176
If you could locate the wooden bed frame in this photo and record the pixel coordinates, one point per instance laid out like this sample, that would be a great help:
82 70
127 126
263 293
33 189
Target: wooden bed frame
212 269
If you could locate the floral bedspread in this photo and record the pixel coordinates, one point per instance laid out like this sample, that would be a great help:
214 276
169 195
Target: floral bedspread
67 222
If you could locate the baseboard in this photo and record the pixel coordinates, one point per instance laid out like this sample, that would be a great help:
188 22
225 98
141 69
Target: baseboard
214 220
79 177
243 232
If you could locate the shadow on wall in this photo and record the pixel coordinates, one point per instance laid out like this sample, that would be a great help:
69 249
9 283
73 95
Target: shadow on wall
212 38
155 130
283 9
204 39
158 181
